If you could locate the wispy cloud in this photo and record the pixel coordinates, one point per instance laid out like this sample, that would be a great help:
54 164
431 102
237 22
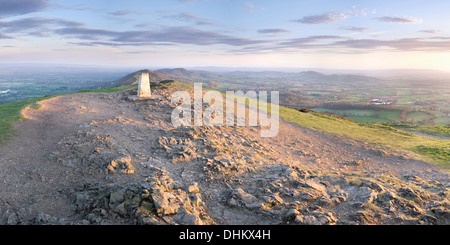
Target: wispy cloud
86 33
123 12
440 38
189 17
430 31
35 26
3 36
187 1
300 42
272 31
354 29
335 16
326 18
403 44
342 44
20 7
251 7
400 20
177 35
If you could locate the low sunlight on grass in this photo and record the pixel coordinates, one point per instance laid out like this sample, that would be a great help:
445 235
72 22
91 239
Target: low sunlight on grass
11 112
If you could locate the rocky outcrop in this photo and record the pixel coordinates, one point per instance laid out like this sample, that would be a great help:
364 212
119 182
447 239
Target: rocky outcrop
158 200
94 154
297 196
137 169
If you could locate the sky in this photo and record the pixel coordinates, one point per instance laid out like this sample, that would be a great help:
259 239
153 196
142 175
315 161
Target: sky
328 34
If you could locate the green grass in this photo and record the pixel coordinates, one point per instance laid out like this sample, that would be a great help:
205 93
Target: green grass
432 130
443 121
367 119
431 150
106 90
417 116
404 101
36 106
351 112
389 115
364 115
435 152
11 112
427 149
421 148
403 92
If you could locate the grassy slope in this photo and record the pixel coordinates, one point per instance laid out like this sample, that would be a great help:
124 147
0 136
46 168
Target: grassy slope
431 150
11 112
424 148
433 130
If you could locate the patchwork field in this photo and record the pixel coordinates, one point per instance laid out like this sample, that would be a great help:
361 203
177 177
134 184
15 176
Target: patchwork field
17 84
418 100
364 115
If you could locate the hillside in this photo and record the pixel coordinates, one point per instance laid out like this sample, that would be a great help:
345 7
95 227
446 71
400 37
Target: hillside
98 158
418 101
132 78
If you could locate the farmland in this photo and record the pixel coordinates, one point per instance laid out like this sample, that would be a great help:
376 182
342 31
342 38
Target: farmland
22 83
405 98
402 100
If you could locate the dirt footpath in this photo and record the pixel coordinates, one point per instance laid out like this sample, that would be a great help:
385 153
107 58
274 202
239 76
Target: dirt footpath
77 145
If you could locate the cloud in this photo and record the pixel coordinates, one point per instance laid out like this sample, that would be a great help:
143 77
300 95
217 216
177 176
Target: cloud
305 43
354 29
335 16
3 36
357 12
341 44
184 35
115 44
300 42
189 17
86 33
43 27
430 31
400 20
404 44
272 31
176 35
187 1
123 12
35 26
326 18
440 38
20 7
251 7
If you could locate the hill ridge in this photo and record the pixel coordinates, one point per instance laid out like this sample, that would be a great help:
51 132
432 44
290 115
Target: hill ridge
98 158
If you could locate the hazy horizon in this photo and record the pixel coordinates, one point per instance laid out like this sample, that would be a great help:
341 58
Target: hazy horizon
325 34
100 67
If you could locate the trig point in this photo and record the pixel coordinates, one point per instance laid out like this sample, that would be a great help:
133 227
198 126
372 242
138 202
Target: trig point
144 86
144 91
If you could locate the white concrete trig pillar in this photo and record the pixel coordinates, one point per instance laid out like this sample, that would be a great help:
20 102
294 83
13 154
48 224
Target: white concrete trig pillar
144 86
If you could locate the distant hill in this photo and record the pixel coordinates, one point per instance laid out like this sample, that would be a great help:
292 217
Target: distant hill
188 76
132 78
177 72
198 75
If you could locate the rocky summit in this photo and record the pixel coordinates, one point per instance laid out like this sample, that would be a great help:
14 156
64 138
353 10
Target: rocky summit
101 159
